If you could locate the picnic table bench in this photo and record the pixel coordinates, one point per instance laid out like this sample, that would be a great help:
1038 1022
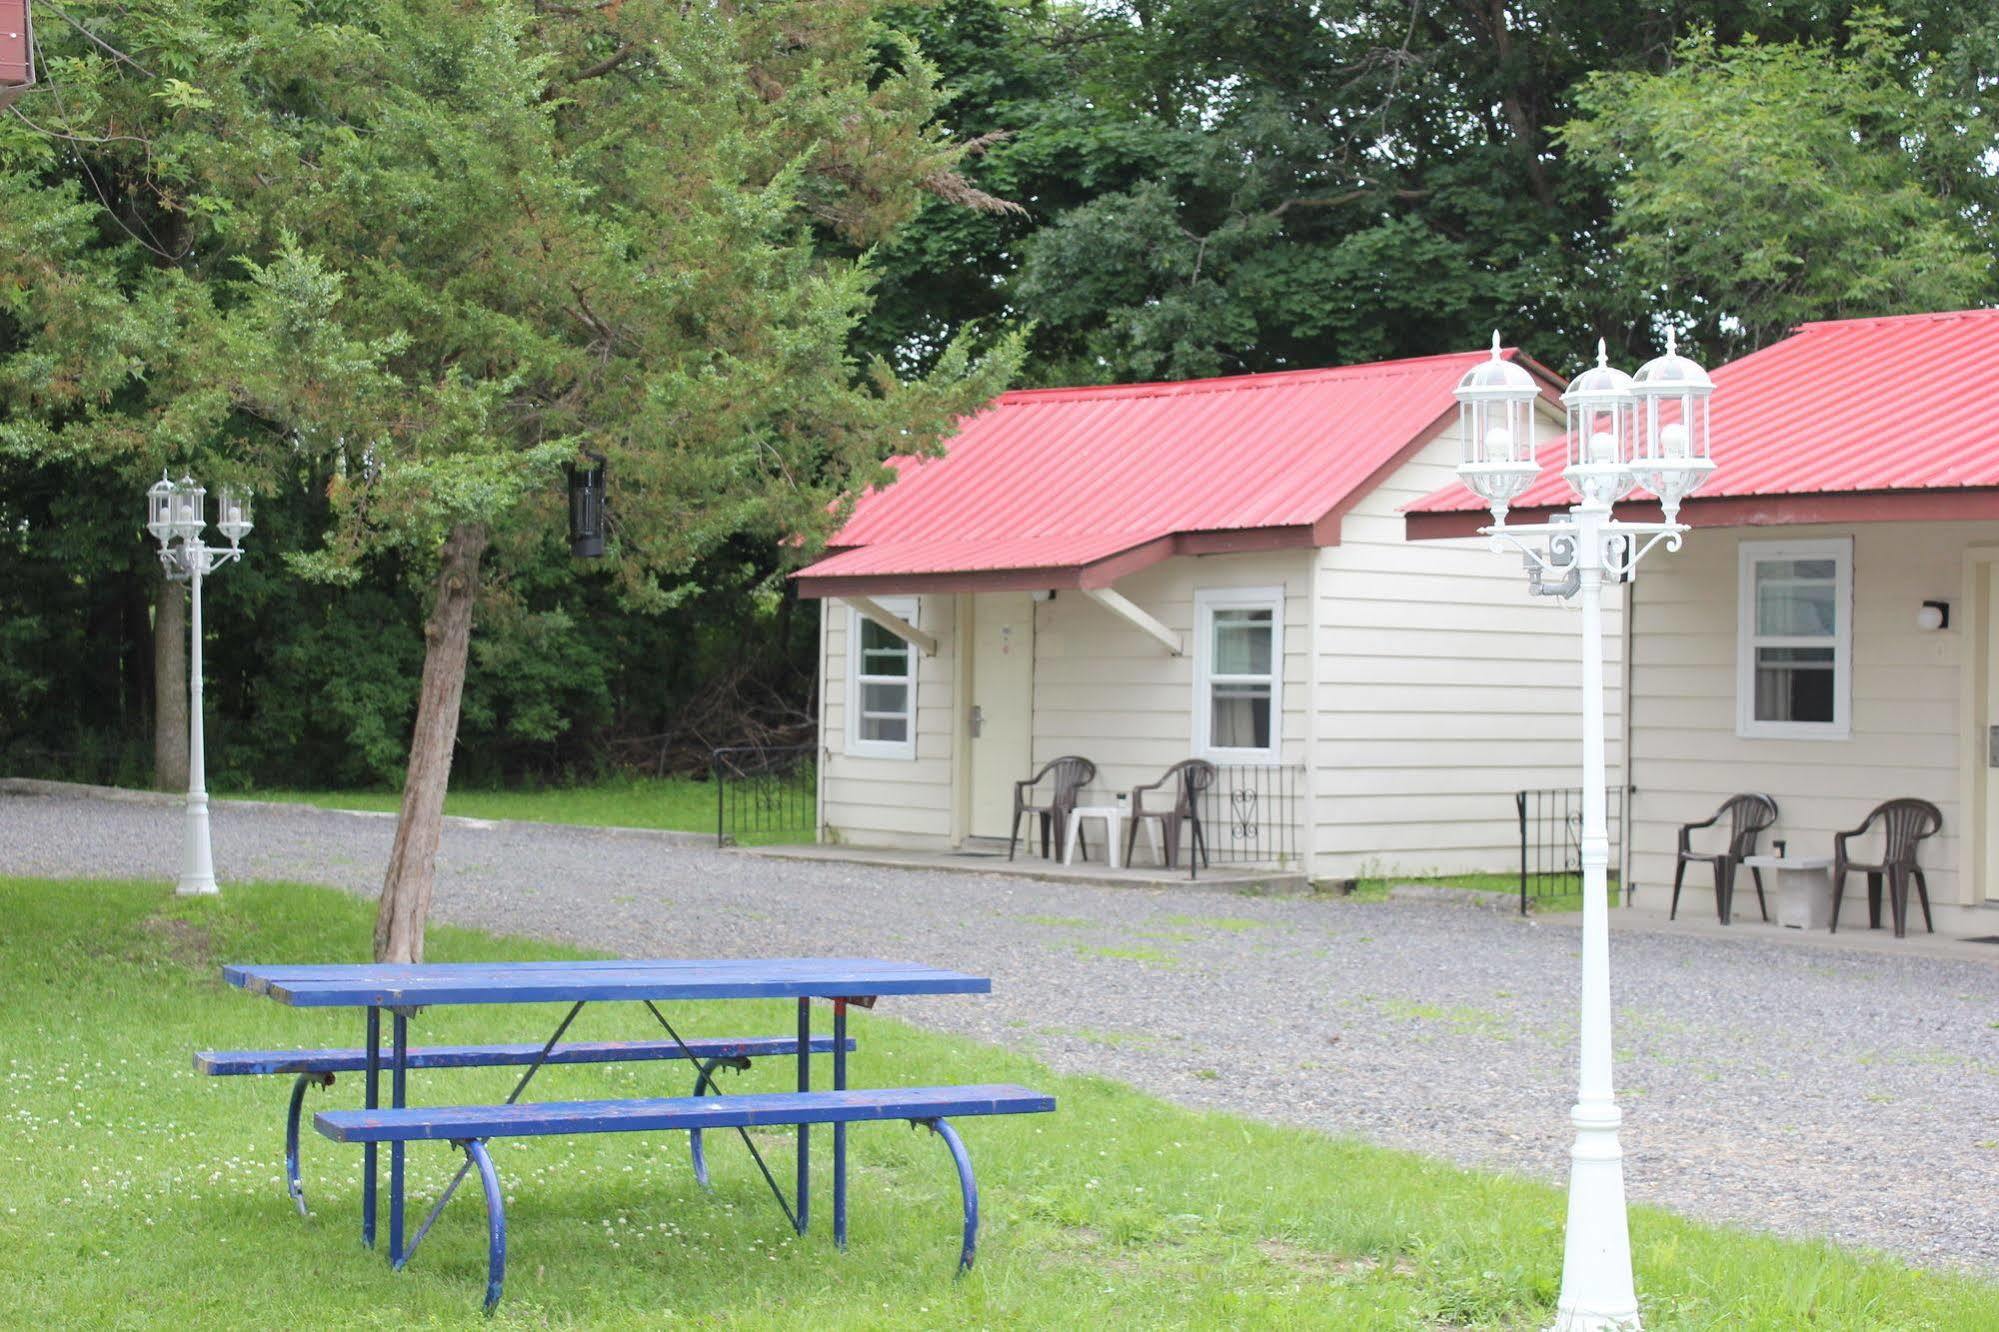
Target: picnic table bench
316 1068
470 1127
405 990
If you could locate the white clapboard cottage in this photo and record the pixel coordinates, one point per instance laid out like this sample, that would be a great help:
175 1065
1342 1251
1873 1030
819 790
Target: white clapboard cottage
1140 574
1829 634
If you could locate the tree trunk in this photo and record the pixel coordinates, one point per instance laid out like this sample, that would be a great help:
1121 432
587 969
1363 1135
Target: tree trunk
406 890
170 686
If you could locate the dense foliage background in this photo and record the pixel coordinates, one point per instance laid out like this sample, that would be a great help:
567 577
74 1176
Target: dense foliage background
1203 187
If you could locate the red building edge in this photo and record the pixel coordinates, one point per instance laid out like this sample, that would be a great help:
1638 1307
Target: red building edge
1876 506
17 44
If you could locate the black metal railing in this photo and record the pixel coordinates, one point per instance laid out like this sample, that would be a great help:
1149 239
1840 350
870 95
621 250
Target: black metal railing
1551 841
1254 814
765 794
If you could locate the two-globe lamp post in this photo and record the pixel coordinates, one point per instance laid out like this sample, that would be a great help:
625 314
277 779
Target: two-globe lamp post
176 515
1623 432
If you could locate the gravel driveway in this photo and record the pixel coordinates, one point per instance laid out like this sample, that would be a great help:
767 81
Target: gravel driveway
1849 1095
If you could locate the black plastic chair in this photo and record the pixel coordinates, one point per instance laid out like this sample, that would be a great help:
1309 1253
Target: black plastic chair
1904 823
1066 776
1748 816
1189 779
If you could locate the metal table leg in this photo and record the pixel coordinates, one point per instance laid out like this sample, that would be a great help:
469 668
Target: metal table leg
803 1192
840 1130
372 1099
475 1154
398 1088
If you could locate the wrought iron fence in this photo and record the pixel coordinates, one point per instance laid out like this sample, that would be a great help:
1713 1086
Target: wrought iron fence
1551 841
765 793
1253 814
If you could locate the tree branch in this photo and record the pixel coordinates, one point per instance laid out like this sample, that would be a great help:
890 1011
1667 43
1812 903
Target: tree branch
1346 197
602 67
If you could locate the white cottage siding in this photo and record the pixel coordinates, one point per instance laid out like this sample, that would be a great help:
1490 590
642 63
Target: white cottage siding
882 801
1908 726
1108 691
1443 689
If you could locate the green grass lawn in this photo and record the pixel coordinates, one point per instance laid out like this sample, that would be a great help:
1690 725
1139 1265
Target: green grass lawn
1542 899
680 804
137 1193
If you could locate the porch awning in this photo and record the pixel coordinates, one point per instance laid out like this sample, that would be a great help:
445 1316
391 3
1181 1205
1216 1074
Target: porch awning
1022 564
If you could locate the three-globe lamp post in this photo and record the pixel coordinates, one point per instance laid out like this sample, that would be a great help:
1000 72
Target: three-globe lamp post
1623 431
176 515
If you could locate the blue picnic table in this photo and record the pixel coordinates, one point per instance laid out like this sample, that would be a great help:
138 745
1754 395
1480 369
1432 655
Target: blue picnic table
404 990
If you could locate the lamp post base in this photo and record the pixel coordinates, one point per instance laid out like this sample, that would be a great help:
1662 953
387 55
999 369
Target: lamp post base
1597 1289
197 865
1588 1320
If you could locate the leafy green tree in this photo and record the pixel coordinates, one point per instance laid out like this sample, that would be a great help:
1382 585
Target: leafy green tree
424 254
1762 184
1236 185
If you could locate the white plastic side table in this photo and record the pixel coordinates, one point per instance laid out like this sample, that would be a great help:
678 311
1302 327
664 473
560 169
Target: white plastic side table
1804 889
1112 817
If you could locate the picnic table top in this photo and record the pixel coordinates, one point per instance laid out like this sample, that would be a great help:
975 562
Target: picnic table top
399 985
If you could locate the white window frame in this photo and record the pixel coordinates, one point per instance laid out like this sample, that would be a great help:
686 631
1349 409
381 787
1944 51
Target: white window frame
1749 555
904 608
1207 601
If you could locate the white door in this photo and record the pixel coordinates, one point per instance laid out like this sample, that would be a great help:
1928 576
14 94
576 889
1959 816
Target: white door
1988 749
999 721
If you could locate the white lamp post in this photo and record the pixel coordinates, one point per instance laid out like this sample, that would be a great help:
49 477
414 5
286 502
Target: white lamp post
1650 429
175 515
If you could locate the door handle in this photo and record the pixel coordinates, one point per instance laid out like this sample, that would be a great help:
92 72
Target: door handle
976 723
1992 746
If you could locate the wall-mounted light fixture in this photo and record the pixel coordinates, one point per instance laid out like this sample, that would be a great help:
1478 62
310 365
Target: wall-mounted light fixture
1934 615
1043 594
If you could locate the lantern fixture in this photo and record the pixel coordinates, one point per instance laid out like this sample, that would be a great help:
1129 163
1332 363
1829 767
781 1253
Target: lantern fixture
1600 426
586 508
175 516
188 506
159 510
1496 430
1672 395
232 517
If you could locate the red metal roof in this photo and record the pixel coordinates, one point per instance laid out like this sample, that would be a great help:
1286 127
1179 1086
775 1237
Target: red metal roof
1071 487
1862 418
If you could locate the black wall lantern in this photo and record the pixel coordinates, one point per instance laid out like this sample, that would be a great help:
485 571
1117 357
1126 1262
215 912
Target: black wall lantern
586 508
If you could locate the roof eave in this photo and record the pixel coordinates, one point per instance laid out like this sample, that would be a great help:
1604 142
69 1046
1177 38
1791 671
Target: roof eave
1969 504
1099 573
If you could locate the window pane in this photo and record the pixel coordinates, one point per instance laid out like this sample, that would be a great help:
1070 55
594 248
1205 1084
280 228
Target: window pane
1795 598
892 729
1240 718
875 638
1242 642
875 661
1794 684
891 698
